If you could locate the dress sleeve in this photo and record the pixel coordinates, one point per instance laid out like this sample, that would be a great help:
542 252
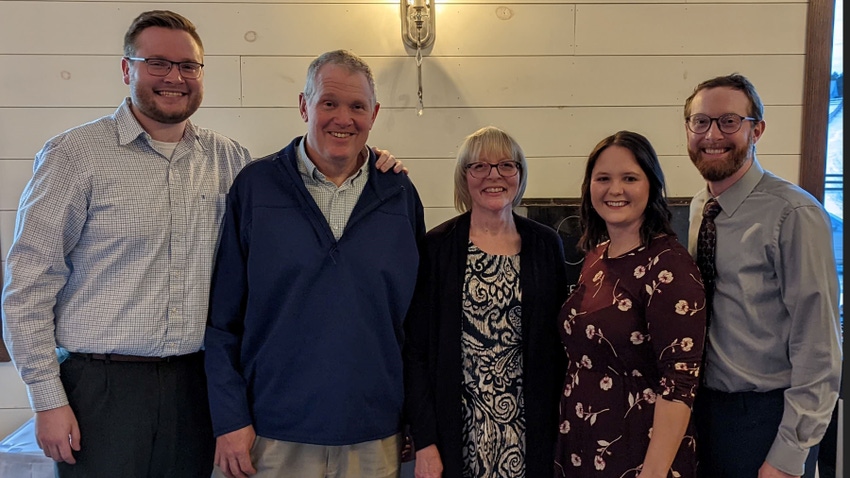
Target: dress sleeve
228 391
675 316
51 217
805 265
420 408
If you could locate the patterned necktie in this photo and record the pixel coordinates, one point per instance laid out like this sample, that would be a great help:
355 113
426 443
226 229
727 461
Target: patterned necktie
705 252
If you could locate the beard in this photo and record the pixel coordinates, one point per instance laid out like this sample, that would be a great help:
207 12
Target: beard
145 102
718 170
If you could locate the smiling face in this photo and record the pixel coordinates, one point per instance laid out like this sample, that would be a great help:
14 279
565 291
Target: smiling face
619 189
493 192
169 99
339 115
717 155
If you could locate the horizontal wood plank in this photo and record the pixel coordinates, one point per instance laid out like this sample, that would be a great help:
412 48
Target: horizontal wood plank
291 29
542 132
732 29
60 81
544 81
86 81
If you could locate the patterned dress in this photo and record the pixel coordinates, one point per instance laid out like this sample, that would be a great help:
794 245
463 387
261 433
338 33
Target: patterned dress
633 331
491 346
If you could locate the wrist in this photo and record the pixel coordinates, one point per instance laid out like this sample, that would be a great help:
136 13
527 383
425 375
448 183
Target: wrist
650 472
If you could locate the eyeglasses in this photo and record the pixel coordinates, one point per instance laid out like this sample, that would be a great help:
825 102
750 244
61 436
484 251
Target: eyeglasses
728 123
481 169
162 67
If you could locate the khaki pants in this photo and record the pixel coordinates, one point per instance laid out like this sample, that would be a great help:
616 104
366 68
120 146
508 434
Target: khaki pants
281 459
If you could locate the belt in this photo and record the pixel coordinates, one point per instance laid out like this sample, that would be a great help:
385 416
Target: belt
129 358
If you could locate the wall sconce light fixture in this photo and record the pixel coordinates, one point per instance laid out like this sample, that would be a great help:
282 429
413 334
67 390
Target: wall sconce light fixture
417 33
417 23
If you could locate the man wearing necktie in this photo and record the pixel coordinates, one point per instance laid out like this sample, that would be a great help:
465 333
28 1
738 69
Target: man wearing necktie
763 245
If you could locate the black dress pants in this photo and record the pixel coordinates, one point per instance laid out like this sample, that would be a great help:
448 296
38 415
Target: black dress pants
736 430
139 419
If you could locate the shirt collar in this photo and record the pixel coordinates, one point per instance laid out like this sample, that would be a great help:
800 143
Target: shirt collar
306 165
733 197
129 128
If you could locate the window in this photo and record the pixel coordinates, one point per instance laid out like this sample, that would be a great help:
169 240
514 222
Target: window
833 199
821 166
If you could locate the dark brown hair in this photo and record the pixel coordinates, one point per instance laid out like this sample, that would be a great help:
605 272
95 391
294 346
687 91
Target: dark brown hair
656 216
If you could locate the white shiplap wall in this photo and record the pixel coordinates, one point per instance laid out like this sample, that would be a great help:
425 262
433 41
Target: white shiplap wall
557 75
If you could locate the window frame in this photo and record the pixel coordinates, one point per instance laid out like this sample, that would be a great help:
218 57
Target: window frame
816 82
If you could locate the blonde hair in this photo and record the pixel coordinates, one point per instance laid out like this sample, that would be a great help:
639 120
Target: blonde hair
490 141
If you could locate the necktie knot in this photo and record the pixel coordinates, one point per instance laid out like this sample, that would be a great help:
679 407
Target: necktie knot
712 209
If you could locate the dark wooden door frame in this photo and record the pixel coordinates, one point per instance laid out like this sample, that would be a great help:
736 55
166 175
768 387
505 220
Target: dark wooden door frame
816 83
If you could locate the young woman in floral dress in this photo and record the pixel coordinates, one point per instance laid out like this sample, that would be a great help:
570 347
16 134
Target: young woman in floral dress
633 329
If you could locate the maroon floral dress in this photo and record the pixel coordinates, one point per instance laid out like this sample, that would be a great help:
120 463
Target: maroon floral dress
633 331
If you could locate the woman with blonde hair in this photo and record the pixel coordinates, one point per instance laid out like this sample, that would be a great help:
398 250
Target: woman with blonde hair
483 364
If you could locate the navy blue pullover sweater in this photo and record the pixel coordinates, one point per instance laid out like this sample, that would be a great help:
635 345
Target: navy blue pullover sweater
305 331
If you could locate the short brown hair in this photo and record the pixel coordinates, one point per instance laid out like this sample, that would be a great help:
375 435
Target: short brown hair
736 82
158 18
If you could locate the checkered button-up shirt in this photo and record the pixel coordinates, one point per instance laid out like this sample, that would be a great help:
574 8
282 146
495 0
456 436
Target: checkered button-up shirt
336 202
114 247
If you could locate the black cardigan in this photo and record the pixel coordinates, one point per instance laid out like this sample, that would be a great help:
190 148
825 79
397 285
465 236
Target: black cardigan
432 351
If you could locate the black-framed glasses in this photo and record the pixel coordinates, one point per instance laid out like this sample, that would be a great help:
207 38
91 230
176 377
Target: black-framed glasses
728 123
162 67
481 169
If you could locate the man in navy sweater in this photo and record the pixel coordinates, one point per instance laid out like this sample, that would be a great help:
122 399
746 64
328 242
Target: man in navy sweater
303 343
